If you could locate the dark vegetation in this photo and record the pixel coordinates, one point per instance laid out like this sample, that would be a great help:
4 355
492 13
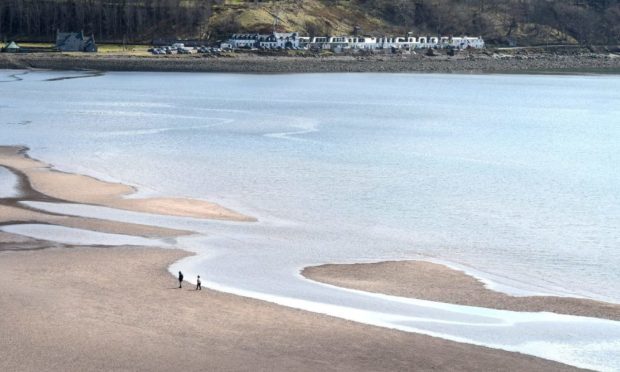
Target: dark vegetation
528 21
108 20
524 22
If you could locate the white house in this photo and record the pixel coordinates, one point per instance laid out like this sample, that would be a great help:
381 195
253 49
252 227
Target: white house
293 40
304 41
279 40
237 41
321 42
273 40
467 42
359 42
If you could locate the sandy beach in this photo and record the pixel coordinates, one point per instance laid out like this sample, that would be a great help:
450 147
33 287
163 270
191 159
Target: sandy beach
435 282
89 308
70 308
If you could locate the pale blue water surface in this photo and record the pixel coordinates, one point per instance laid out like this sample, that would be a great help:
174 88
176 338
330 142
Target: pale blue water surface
514 178
8 183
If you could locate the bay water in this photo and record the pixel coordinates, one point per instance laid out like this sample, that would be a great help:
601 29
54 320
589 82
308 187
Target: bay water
513 178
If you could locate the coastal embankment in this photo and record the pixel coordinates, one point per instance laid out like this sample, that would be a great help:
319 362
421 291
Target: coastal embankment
488 62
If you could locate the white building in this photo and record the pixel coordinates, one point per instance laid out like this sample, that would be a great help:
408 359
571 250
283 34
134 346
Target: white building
238 41
279 40
273 40
467 42
293 40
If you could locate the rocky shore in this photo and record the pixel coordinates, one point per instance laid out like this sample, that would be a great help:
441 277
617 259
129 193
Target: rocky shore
516 61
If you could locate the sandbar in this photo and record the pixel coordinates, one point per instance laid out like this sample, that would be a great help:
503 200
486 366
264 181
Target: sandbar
51 184
435 282
89 309
14 215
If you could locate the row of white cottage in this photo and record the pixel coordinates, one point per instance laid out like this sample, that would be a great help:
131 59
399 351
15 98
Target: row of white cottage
294 41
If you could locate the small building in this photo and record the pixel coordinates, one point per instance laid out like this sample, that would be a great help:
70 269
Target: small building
238 41
344 42
11 47
287 40
465 42
269 41
304 41
75 42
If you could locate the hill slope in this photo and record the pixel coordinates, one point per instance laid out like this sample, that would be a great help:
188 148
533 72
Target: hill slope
526 22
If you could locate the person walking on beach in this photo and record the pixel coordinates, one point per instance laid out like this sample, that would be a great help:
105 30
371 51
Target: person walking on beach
180 279
198 284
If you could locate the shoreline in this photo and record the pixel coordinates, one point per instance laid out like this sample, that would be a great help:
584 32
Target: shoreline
31 187
425 280
39 181
27 169
474 64
82 308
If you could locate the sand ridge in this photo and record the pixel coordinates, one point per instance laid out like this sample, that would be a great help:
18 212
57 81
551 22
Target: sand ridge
435 282
15 215
49 183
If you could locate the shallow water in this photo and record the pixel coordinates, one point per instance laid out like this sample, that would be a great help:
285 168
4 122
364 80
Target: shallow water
513 176
69 235
8 184
256 272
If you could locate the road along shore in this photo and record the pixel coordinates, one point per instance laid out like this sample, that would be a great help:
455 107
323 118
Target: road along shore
461 63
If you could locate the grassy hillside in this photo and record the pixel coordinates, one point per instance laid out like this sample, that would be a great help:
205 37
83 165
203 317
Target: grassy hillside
525 22
312 17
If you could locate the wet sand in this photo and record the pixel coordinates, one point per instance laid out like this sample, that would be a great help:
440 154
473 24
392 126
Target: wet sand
13 212
54 185
434 282
83 309
68 308
16 215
